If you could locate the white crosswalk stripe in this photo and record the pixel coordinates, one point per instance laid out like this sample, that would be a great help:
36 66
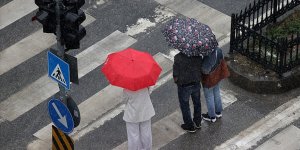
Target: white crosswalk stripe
29 47
161 15
1 120
219 22
15 10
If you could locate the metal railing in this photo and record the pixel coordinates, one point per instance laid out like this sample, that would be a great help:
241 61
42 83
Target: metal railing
247 37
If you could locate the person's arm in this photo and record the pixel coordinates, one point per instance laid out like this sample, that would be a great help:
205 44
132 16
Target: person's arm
175 69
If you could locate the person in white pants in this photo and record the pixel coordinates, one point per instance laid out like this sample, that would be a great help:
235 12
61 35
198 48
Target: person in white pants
137 115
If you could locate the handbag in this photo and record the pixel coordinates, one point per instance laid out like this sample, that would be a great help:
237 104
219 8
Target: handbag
213 78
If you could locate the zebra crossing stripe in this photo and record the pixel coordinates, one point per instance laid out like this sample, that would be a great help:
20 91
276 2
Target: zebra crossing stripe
41 89
61 140
15 10
29 47
161 14
1 120
219 22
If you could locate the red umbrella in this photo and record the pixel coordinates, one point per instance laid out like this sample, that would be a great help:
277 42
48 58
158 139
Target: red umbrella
131 69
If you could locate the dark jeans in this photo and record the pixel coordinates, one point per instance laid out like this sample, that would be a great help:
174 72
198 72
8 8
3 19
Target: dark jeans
184 94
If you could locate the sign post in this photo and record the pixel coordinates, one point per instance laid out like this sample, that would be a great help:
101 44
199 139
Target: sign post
63 18
60 140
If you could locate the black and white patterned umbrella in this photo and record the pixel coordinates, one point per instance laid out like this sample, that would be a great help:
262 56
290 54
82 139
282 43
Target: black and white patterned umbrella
190 36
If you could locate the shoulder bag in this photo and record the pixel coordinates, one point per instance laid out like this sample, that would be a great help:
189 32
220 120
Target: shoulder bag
220 72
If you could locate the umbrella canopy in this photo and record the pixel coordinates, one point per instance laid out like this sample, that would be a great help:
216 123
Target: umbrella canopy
190 36
131 69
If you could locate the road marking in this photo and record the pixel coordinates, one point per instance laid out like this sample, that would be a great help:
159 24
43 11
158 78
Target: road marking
29 47
15 10
43 88
161 14
279 118
168 129
104 105
1 120
289 138
219 22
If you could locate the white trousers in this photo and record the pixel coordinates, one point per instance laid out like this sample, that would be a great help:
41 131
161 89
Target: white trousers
139 135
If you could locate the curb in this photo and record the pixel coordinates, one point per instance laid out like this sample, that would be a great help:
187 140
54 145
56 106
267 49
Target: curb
262 85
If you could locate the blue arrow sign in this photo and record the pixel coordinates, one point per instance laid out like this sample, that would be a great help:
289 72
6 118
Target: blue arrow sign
60 115
58 70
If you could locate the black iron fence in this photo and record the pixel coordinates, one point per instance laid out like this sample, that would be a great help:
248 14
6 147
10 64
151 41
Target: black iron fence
247 37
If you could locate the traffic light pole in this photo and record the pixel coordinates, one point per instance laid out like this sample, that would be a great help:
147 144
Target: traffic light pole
60 48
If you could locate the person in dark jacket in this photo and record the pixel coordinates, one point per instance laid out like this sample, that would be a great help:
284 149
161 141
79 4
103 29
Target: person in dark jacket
187 76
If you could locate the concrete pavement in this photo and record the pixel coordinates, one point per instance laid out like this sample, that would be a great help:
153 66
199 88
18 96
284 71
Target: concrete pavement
24 121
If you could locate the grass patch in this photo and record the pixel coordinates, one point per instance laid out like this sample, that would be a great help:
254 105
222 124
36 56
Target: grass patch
285 28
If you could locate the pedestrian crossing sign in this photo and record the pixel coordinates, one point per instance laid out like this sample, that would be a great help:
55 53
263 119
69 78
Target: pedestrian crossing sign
58 70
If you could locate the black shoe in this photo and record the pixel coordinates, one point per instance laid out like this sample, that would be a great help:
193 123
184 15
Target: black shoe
208 118
188 128
198 124
218 114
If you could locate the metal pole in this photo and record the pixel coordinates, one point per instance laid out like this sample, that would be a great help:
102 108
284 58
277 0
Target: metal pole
232 34
60 48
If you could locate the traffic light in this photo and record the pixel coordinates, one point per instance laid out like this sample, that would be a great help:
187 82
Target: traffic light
71 16
46 15
72 31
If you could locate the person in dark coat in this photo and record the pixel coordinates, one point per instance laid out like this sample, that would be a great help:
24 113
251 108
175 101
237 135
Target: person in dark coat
187 76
